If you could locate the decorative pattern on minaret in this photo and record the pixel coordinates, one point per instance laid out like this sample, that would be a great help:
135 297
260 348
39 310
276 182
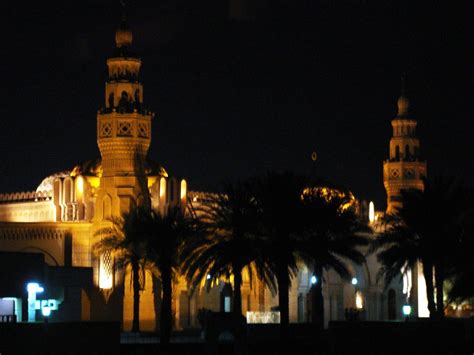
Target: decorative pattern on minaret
405 169
123 130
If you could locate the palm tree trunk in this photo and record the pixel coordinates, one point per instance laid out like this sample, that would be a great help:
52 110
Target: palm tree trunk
439 280
283 300
166 313
136 295
237 304
428 274
317 313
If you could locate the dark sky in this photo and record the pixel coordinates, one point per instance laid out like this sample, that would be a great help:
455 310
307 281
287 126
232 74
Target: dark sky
238 97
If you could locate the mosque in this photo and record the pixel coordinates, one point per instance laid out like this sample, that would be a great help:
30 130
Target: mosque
47 235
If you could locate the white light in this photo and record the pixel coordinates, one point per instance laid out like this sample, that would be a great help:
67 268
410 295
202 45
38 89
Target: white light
208 276
371 212
263 317
423 311
46 311
314 279
354 281
406 309
33 287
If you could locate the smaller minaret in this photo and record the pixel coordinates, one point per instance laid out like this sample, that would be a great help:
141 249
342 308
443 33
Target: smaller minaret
405 169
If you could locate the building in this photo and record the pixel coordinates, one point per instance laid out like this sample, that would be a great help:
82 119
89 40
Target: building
60 218
404 170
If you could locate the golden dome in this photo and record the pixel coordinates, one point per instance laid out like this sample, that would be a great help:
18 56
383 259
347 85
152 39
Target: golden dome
123 36
403 105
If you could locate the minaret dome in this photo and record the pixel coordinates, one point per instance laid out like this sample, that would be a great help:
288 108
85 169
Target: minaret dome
403 105
123 36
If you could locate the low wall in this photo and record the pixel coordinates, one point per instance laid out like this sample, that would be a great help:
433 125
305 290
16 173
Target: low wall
450 336
60 338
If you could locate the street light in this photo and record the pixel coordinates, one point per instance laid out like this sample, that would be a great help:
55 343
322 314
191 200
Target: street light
314 280
406 311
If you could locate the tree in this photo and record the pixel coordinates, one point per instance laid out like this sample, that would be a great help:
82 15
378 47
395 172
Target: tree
332 234
426 229
230 244
460 268
126 237
278 198
165 234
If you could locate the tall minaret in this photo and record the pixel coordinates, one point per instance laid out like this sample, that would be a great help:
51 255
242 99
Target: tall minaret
404 169
123 132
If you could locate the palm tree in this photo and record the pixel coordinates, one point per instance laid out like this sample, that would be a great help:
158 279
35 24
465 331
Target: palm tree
165 234
230 245
125 236
278 198
426 229
332 236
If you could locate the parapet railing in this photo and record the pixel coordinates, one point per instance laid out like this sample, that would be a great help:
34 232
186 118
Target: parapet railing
26 196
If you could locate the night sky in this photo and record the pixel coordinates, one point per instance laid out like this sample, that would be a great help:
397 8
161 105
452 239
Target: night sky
235 96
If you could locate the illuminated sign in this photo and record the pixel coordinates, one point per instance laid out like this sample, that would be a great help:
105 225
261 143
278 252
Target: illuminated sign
33 288
263 317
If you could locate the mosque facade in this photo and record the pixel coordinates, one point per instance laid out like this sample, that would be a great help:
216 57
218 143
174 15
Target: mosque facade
59 221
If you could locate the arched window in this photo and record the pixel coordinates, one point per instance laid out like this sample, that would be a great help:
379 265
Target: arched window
67 191
397 152
163 188
407 151
107 207
392 305
183 191
111 100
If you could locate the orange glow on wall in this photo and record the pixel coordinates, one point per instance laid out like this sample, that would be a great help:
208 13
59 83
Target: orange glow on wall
184 187
162 188
79 188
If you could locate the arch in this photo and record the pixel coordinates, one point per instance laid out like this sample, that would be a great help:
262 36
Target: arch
68 190
79 188
407 151
162 188
106 207
42 251
57 189
359 300
397 152
183 190
111 100
137 96
392 304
